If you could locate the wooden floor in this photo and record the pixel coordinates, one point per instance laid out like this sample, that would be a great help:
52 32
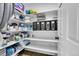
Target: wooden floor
30 53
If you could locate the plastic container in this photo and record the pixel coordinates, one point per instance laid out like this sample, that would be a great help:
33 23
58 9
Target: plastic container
17 38
10 51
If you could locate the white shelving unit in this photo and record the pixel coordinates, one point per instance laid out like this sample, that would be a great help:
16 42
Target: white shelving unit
9 44
12 43
49 49
46 48
43 40
34 48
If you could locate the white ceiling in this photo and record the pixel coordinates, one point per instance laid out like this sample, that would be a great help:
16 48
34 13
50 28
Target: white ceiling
42 7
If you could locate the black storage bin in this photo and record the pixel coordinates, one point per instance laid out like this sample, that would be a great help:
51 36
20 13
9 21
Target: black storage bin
38 25
34 25
54 25
48 25
43 25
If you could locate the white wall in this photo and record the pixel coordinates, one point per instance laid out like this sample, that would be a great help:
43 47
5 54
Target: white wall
47 34
50 15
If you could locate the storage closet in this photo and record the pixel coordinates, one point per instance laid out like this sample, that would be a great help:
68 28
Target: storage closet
39 29
30 29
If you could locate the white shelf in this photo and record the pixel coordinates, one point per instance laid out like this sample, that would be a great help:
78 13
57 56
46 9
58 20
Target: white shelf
41 50
14 32
30 15
19 31
9 44
44 40
17 52
26 31
20 21
16 21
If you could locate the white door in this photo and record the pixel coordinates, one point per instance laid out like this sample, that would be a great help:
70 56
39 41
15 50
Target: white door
68 29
